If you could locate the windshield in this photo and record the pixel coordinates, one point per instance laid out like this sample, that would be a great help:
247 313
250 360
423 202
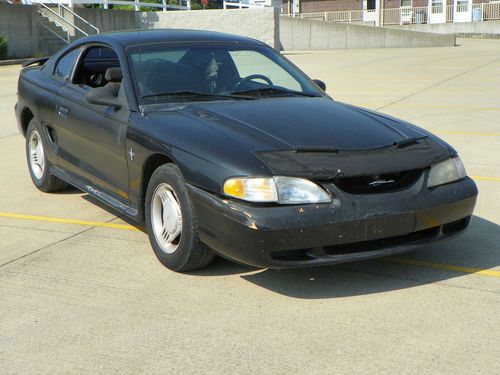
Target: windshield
166 72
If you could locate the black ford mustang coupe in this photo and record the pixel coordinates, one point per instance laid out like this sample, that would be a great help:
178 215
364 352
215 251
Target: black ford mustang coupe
220 145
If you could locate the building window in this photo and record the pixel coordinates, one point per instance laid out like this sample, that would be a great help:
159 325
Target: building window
371 4
406 3
437 6
462 5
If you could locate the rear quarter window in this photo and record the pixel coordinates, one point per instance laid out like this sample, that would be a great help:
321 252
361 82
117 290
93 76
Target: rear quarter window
65 65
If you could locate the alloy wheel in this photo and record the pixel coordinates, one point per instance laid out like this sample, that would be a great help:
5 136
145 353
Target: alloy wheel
36 154
166 218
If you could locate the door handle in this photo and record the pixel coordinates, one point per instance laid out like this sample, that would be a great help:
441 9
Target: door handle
62 111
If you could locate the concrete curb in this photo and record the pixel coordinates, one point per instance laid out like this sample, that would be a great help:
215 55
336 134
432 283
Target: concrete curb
477 35
12 62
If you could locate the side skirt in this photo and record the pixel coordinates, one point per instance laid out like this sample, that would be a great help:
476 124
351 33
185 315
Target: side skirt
101 195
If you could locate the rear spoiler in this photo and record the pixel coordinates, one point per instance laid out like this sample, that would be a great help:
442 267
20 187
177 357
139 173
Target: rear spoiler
38 60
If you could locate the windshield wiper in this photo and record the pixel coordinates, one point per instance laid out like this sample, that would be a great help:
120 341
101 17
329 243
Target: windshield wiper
197 95
275 90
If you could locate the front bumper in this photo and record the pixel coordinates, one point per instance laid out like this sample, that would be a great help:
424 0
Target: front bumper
354 227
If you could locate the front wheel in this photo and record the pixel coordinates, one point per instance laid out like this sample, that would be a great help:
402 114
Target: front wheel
38 164
172 223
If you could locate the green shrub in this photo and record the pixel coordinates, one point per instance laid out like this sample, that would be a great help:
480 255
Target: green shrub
3 48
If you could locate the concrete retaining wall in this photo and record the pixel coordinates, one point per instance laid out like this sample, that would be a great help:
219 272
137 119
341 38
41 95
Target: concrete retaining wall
107 20
260 23
486 29
302 34
17 23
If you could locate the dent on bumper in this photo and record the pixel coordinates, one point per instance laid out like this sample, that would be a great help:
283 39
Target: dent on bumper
349 229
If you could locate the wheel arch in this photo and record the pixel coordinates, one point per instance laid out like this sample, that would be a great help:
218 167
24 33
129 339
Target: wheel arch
150 165
26 116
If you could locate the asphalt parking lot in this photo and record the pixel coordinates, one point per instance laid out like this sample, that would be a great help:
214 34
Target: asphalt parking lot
81 292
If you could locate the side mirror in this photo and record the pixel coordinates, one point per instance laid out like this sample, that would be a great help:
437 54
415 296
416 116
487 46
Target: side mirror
106 96
320 84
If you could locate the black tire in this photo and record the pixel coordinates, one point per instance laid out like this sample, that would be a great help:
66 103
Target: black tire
43 180
190 252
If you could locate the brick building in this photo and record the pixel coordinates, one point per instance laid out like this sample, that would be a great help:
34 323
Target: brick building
388 12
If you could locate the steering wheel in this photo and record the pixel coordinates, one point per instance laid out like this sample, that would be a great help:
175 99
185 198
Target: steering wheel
251 77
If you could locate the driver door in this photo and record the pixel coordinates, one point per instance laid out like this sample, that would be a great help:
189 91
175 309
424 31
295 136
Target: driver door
91 138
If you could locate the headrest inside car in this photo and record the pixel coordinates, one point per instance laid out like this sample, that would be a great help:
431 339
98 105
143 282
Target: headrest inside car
113 75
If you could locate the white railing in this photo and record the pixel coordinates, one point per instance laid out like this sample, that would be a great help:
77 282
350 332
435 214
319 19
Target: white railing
411 15
342 16
404 16
135 4
236 4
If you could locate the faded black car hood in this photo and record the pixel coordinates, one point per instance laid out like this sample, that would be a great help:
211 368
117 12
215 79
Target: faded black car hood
306 137
306 123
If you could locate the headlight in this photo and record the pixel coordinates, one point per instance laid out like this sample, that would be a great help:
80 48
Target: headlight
251 189
297 190
282 190
446 171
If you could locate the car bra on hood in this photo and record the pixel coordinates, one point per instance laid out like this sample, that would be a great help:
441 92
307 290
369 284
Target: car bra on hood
316 164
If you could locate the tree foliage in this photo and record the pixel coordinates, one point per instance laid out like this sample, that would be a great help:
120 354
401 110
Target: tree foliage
3 47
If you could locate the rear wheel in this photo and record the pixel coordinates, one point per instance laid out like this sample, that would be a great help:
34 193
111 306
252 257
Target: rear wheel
38 164
172 223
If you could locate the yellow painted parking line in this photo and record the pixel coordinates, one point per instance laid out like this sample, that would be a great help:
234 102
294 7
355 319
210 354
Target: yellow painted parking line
60 220
443 266
400 105
412 262
453 132
452 107
485 178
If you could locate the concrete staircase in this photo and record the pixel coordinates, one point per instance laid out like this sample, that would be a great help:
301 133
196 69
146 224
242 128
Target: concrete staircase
53 37
57 28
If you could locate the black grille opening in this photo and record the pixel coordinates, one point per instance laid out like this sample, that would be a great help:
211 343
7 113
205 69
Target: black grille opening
456 226
291 255
373 245
377 184
414 238
425 235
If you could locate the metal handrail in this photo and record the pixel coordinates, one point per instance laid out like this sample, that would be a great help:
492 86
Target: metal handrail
63 19
54 33
61 6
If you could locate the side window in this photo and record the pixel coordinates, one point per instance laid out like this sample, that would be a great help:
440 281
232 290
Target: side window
66 63
91 70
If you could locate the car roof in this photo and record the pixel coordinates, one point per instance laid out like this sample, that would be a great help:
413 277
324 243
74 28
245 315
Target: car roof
128 38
